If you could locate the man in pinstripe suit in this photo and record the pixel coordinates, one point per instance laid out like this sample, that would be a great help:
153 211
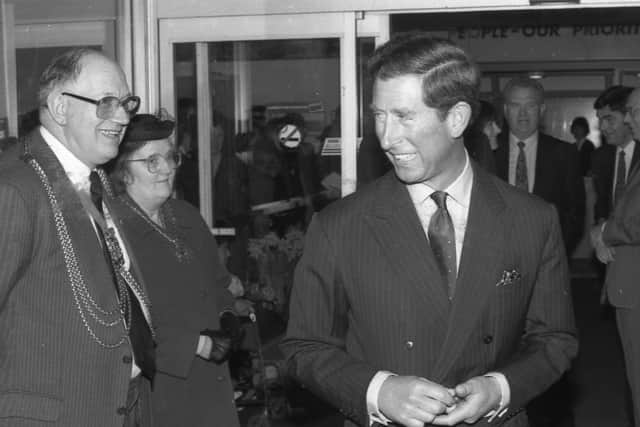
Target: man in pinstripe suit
65 357
386 328
617 244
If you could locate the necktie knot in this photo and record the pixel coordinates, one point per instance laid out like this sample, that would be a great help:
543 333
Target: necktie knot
521 145
440 198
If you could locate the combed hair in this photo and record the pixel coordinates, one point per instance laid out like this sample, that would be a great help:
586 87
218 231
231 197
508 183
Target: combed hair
449 75
524 83
614 97
64 68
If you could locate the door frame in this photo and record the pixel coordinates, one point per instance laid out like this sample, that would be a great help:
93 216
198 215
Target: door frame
346 26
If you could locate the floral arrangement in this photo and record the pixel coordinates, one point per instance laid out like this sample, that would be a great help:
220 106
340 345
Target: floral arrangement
290 245
275 258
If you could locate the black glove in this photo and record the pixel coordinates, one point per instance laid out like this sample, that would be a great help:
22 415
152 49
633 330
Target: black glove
221 344
232 326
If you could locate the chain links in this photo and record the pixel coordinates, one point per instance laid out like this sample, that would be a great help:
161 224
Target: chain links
85 304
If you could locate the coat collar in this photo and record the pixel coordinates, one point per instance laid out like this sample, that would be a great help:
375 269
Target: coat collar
394 223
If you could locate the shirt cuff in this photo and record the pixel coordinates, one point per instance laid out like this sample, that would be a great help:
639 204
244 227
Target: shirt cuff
505 395
372 398
202 341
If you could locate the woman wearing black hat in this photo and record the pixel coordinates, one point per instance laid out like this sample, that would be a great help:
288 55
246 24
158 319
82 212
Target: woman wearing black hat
178 258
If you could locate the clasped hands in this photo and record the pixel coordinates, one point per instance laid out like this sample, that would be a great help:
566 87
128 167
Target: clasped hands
414 402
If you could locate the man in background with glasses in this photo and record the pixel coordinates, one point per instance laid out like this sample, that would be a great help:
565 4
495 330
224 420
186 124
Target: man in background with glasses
76 343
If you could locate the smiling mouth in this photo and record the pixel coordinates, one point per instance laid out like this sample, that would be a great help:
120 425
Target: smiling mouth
403 157
111 133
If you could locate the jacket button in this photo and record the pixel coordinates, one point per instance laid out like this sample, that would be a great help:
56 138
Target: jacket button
127 359
122 410
220 378
409 345
488 339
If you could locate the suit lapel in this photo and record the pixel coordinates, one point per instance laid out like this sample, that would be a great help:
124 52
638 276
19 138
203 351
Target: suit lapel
85 242
543 162
502 157
395 225
480 264
634 161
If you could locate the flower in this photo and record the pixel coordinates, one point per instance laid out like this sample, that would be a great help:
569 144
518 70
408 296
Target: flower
290 245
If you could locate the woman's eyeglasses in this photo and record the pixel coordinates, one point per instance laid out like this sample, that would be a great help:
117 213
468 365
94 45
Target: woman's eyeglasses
154 161
107 107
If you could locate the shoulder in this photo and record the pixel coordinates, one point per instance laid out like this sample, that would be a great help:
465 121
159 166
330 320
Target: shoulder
518 202
186 213
362 201
17 176
556 143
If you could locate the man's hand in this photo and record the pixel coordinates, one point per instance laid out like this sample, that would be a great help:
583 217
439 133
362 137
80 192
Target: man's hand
604 253
413 401
477 397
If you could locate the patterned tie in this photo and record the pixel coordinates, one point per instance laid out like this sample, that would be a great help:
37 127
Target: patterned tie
442 240
621 177
139 331
522 177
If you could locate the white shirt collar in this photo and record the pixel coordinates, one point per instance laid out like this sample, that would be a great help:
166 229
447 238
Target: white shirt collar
459 190
75 169
531 139
628 149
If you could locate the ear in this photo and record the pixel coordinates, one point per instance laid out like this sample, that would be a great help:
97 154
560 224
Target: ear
57 106
543 108
458 118
127 178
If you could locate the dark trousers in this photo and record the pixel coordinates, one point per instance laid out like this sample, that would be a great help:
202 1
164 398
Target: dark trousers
138 409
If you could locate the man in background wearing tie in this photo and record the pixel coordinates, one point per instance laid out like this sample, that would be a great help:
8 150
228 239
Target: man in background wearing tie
612 160
436 294
77 347
617 244
539 163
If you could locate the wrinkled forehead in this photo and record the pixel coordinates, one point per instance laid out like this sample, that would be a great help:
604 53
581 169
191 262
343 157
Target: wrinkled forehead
100 76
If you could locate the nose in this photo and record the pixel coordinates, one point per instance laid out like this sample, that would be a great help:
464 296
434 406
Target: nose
522 112
121 116
387 132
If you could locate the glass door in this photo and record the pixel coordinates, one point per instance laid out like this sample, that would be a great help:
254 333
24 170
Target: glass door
269 122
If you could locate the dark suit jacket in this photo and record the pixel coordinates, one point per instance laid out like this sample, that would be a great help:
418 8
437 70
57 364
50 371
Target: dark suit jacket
558 180
187 298
602 167
622 232
53 372
368 296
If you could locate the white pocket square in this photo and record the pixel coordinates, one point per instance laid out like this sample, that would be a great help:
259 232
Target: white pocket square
509 277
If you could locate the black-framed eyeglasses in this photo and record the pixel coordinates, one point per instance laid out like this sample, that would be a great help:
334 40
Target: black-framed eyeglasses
154 161
107 107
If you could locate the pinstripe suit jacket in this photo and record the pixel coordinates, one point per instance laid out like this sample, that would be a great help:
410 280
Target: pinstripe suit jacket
622 232
51 371
367 296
